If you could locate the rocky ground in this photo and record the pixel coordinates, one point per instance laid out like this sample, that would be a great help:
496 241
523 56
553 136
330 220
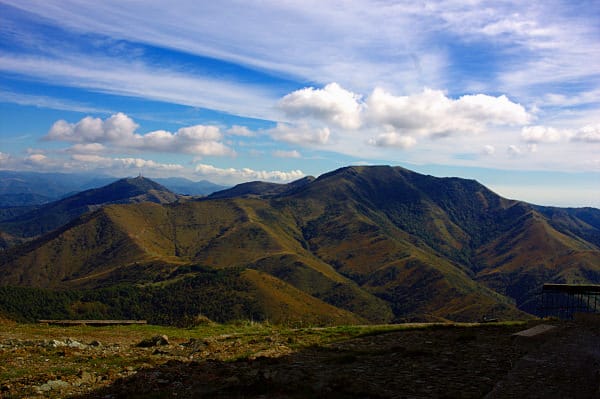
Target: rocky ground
258 361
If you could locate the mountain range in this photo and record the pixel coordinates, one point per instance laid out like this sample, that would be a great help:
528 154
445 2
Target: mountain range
48 217
359 244
22 189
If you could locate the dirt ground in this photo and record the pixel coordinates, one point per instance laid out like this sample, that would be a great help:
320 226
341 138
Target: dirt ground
485 361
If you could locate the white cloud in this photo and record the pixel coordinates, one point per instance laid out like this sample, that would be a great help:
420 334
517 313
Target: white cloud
516 151
431 112
119 131
92 159
286 154
354 45
79 162
542 134
87 148
122 77
488 149
300 134
231 175
387 120
119 165
393 139
150 164
588 133
37 159
332 104
562 100
118 127
237 130
328 40
512 26
48 102
4 158
546 134
513 150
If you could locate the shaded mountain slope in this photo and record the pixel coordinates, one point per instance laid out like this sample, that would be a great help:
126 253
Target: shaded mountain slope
577 222
531 253
55 214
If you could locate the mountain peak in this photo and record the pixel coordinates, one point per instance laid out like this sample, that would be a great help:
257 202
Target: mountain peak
142 183
57 213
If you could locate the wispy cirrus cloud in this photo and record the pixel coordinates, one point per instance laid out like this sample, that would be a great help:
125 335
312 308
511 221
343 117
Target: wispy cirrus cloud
137 79
287 154
49 102
401 46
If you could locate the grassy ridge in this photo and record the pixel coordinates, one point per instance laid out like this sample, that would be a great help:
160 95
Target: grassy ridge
362 243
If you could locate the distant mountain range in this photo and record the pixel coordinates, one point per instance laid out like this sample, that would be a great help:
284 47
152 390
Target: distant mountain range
48 217
19 189
359 244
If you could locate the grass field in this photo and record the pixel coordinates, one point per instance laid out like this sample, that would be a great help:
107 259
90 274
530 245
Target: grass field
85 359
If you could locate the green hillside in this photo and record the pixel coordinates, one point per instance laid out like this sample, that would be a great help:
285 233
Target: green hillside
360 244
50 216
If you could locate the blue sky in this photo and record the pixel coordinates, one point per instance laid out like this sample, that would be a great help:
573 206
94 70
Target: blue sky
506 92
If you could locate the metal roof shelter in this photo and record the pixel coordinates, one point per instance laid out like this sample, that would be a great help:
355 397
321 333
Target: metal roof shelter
564 300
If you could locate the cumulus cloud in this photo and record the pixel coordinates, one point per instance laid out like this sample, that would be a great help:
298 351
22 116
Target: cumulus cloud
300 134
389 120
332 104
393 139
488 149
4 158
118 127
57 162
100 162
513 150
286 154
38 159
588 133
546 134
431 112
516 151
119 130
236 175
88 148
541 134
237 130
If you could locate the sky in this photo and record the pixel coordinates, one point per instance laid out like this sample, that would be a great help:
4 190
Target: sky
505 92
